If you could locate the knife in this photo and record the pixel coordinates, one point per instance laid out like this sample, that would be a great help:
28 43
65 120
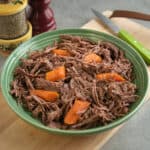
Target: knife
124 35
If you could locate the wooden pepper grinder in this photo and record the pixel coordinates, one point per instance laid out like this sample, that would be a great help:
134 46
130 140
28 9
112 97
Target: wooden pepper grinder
42 17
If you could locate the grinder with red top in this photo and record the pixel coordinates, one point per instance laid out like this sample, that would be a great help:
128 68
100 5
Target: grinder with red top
42 16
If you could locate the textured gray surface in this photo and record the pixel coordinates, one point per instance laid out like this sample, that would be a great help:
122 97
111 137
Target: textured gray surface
135 135
75 13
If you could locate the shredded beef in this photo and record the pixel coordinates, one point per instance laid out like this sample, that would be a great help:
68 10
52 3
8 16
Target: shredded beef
109 100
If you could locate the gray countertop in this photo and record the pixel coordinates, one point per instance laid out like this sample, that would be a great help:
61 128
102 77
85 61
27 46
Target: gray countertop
135 135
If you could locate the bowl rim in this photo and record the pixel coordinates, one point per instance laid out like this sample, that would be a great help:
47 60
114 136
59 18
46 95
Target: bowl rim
76 132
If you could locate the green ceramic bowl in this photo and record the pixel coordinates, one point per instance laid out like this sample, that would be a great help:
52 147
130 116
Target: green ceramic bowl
48 38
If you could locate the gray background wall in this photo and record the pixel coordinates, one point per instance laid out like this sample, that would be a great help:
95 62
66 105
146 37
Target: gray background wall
135 135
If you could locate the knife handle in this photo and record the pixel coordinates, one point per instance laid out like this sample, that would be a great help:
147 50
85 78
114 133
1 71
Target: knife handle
144 52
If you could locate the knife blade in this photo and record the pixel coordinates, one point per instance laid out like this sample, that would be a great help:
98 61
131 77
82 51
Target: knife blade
124 35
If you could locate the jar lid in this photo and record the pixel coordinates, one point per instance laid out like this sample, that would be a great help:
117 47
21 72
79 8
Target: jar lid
11 8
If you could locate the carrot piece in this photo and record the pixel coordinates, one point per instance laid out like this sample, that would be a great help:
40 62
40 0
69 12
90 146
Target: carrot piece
110 76
61 52
51 76
92 58
56 74
75 111
50 96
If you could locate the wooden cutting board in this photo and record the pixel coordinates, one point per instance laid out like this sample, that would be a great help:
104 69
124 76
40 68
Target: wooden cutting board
15 134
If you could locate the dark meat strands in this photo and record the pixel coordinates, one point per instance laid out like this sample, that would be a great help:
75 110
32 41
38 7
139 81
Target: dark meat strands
109 100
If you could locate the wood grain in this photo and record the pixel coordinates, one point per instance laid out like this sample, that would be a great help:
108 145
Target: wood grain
15 134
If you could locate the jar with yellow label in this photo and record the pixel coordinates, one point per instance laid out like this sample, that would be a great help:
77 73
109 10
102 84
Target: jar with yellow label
14 27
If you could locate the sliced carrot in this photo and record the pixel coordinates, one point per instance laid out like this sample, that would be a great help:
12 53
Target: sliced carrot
78 108
92 58
61 73
51 76
46 95
110 76
61 52
56 74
